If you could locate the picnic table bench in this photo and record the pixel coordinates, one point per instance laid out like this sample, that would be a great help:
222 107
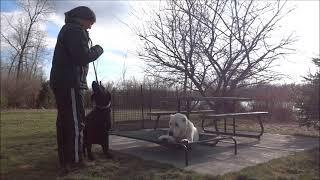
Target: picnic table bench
217 117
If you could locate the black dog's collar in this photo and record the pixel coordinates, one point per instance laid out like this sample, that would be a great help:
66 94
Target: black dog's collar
103 107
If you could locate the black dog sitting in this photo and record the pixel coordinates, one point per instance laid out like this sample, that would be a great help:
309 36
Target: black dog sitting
98 121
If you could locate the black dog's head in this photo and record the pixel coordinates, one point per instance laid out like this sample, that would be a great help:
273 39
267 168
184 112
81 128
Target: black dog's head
100 96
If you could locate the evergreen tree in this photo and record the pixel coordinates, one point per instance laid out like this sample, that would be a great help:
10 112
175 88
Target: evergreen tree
45 96
308 99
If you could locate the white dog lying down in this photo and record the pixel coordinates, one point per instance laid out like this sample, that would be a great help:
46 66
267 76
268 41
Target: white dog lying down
181 129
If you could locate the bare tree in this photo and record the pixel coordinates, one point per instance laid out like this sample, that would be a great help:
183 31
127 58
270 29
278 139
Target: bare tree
35 55
24 37
213 46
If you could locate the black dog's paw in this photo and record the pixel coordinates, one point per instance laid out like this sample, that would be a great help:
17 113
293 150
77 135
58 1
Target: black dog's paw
91 157
108 155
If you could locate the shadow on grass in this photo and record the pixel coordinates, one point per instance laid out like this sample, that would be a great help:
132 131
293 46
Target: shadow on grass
35 157
29 157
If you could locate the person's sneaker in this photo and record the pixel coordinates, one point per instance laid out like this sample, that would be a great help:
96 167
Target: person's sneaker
82 164
64 170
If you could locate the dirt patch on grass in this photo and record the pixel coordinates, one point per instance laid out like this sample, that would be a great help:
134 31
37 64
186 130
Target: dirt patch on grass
124 166
25 166
290 128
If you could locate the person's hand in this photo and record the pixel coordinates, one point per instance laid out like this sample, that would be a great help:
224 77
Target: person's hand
98 50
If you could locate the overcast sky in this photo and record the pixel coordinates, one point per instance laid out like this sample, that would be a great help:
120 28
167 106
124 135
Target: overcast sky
111 31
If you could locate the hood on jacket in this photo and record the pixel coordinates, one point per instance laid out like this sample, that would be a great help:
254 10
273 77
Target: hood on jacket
80 12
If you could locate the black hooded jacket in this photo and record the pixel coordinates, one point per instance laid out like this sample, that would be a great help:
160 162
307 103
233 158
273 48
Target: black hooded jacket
72 56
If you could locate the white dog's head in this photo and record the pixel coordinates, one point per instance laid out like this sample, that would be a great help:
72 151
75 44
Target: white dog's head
178 125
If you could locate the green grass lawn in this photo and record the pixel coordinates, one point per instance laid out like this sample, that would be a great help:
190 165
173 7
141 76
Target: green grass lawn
300 166
28 151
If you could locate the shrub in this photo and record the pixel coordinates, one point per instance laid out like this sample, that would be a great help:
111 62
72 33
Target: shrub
19 93
3 101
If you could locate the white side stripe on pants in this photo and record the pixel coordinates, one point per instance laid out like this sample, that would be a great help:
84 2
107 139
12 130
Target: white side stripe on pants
76 128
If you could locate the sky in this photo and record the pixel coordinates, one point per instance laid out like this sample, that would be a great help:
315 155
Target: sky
113 31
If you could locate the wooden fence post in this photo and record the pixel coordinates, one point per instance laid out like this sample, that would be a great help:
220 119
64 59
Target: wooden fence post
142 106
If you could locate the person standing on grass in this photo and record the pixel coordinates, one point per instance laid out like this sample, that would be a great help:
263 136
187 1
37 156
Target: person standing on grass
70 64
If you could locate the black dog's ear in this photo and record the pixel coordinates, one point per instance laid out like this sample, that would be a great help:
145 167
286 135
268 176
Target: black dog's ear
92 97
102 87
95 85
108 95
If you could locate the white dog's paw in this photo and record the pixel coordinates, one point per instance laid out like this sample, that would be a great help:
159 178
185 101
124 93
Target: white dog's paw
184 141
166 138
163 138
171 139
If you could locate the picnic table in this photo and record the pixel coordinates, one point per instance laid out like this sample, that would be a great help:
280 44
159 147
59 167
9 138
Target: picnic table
214 116
158 114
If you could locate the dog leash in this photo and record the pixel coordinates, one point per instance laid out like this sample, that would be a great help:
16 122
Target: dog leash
95 73
94 67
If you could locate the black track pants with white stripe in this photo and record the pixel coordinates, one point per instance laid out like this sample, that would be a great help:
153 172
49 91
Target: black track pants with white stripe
70 124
